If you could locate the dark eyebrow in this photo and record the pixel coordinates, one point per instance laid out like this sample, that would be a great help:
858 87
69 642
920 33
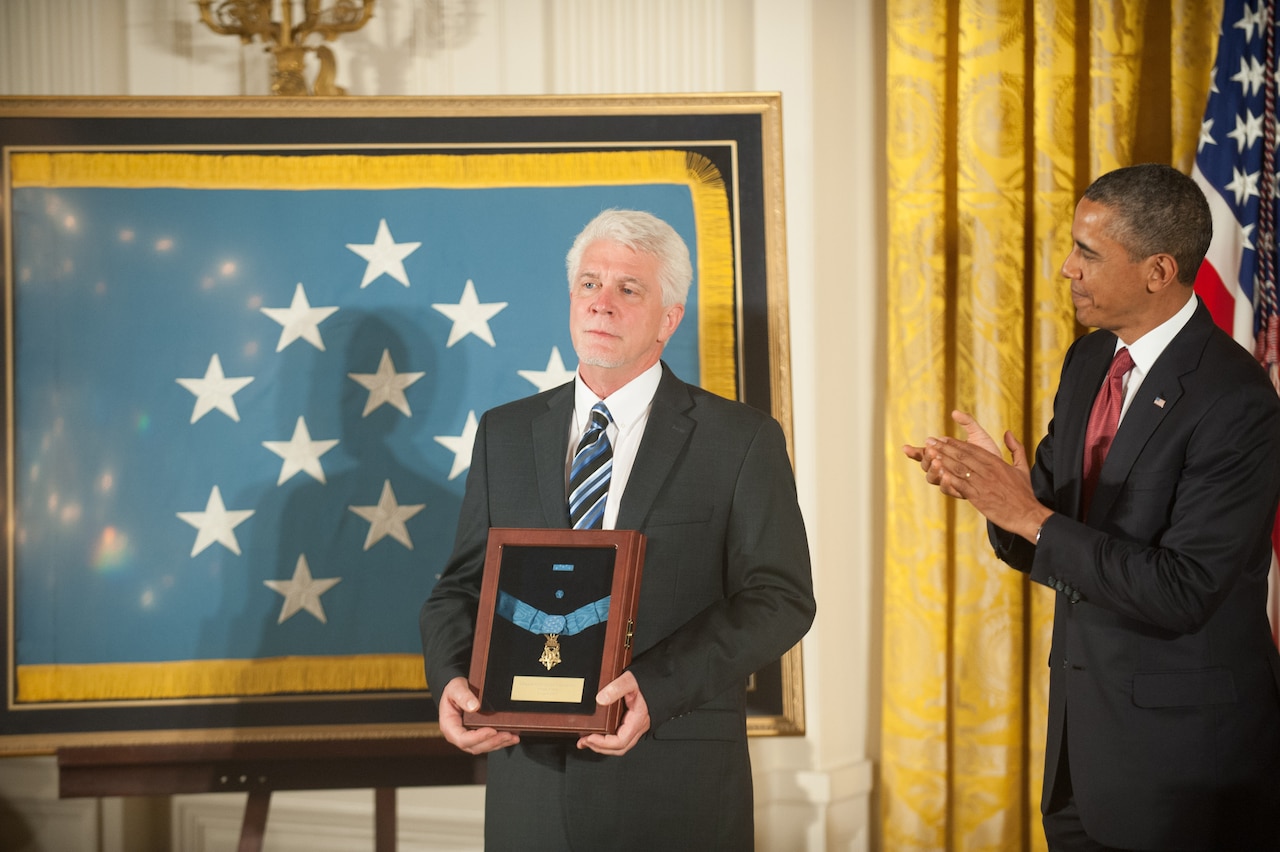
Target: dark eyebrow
1085 247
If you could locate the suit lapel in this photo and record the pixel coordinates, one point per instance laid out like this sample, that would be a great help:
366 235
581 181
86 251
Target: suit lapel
665 435
551 452
1155 400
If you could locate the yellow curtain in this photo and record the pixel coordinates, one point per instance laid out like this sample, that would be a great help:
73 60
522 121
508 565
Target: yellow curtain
999 114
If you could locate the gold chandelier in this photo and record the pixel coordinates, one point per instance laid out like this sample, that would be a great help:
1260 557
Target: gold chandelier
285 41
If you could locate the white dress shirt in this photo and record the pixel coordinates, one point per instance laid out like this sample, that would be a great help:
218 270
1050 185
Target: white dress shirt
629 407
1147 348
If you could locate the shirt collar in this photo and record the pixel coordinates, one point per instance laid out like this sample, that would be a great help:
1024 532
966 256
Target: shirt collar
1147 348
626 404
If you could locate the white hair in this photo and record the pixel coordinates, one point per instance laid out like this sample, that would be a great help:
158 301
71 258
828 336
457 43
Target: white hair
642 232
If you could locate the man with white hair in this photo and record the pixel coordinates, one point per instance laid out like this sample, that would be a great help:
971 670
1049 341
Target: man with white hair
726 583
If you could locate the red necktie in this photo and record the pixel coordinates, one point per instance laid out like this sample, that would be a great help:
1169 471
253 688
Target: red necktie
1103 421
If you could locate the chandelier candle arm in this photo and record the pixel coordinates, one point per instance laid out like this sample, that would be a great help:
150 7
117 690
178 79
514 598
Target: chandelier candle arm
250 19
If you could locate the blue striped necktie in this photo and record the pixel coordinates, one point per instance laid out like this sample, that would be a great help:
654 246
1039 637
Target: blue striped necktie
589 475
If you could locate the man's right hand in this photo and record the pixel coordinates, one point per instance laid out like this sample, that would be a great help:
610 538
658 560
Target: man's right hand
454 699
975 470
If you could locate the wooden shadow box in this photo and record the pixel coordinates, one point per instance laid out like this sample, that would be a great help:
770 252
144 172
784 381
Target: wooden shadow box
557 615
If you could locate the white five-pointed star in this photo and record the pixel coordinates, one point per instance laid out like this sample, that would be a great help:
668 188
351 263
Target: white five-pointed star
1248 130
470 316
384 255
460 445
1246 235
386 386
1243 185
215 391
1250 76
1206 135
387 518
300 453
302 592
1257 17
216 523
553 377
300 320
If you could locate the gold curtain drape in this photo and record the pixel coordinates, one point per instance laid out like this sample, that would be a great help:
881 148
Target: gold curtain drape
1000 113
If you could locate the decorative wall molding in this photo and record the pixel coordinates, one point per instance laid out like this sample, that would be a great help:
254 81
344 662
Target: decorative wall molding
32 817
54 47
632 46
334 821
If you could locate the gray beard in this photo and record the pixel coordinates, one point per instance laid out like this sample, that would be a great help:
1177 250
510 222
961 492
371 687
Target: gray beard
602 362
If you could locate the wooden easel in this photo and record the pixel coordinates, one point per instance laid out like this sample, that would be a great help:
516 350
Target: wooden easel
263 768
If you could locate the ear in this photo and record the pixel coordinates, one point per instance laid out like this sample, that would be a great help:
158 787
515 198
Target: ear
671 317
1162 270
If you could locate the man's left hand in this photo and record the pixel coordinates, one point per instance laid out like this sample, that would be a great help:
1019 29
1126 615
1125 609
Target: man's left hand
635 719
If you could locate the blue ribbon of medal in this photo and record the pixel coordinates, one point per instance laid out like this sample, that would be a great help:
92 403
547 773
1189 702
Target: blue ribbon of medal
551 626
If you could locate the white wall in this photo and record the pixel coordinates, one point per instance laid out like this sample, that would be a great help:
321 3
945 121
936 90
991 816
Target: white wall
826 57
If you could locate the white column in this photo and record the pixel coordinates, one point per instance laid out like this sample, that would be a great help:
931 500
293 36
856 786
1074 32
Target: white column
822 55
848 236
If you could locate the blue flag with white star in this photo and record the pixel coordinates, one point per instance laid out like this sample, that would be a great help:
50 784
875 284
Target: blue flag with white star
245 401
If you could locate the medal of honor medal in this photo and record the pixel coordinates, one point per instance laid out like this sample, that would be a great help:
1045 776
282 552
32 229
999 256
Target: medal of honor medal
551 651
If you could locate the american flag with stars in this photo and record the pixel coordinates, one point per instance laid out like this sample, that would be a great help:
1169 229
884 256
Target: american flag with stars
1235 165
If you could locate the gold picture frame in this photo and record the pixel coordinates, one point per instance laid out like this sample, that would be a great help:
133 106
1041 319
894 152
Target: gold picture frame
719 151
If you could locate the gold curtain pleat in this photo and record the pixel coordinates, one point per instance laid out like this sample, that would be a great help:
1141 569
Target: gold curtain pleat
1000 113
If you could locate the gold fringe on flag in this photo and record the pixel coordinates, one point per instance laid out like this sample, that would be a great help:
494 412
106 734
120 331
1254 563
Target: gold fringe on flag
219 678
716 274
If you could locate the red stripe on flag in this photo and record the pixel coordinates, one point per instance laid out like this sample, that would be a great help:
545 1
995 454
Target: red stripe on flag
1217 298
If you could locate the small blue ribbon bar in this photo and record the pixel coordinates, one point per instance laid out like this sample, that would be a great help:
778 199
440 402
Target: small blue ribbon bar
535 620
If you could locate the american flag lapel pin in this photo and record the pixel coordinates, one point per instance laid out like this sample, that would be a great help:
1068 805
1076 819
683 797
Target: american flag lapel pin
1159 402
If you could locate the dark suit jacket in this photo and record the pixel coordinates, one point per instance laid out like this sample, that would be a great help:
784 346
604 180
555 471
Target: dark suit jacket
1162 664
726 589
